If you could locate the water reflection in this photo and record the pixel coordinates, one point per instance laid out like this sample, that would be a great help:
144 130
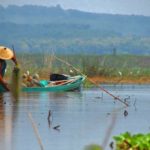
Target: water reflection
2 121
6 119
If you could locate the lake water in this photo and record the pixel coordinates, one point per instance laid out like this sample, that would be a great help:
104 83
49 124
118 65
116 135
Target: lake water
82 118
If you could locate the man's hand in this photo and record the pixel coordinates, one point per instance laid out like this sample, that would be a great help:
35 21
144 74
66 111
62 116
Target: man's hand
16 69
15 60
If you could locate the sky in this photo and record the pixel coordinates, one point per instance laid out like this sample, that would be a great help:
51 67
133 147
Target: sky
130 7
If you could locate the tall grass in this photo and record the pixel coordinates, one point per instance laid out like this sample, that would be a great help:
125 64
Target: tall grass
105 65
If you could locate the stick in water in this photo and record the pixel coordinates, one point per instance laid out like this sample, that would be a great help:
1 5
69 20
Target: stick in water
36 131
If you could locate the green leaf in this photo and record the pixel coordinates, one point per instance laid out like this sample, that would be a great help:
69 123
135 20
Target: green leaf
137 141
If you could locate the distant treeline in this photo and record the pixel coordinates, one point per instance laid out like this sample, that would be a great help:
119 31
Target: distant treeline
39 28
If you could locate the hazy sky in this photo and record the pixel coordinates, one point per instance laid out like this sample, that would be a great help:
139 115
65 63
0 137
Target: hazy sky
140 7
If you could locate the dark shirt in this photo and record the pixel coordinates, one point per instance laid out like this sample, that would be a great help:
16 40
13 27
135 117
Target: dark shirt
2 67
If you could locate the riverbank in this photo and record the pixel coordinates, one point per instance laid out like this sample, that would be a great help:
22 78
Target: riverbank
122 80
110 80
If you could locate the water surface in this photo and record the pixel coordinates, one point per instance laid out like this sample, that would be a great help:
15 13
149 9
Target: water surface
84 117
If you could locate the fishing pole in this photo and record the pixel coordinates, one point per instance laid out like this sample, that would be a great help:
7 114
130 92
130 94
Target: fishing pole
115 97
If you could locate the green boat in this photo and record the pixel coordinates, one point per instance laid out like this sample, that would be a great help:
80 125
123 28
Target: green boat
71 84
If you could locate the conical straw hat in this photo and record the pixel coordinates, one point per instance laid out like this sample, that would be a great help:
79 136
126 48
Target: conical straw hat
6 53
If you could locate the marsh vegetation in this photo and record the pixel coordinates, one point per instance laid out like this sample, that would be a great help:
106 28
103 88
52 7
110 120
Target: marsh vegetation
119 67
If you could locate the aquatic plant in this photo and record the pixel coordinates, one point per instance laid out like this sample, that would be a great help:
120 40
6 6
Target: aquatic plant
127 141
93 147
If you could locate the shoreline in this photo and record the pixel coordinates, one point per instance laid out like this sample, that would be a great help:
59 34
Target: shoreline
112 80
118 80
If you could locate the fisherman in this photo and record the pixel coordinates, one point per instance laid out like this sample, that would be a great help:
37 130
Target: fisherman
5 54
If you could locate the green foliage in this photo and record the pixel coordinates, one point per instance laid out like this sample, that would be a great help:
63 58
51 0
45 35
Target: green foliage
93 147
126 141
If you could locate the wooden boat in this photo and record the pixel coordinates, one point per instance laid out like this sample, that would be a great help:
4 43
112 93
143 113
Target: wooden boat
71 84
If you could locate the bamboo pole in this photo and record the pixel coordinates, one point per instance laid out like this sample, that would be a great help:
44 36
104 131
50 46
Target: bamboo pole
109 131
111 127
36 131
101 88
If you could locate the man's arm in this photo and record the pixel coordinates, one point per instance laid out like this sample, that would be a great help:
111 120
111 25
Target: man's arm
3 83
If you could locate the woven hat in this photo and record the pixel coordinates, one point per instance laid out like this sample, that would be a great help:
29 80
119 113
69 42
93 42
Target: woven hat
6 53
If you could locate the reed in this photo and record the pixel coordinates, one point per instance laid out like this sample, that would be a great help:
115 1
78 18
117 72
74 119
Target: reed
91 65
121 66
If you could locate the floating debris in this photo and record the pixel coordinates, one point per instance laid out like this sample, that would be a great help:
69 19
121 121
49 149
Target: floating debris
125 113
56 127
134 104
127 98
49 115
49 118
111 145
108 113
99 97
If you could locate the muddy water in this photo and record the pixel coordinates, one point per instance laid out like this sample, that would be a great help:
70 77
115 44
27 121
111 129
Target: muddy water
81 118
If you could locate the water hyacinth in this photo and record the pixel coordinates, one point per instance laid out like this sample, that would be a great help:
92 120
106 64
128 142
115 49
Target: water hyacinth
93 147
126 141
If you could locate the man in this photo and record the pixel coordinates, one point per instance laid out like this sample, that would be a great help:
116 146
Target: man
5 54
